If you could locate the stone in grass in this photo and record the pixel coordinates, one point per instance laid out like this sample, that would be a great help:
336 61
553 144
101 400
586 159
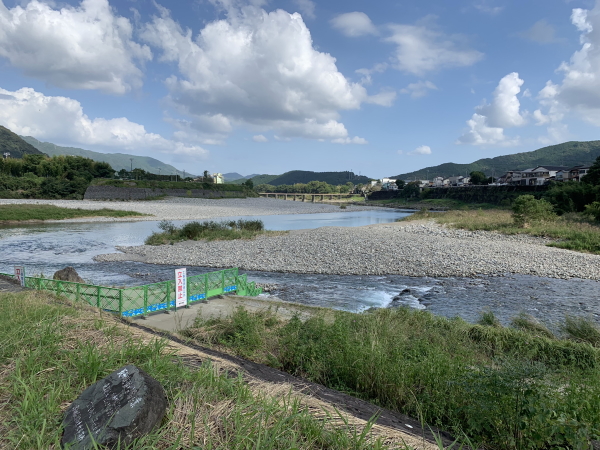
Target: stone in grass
68 274
120 408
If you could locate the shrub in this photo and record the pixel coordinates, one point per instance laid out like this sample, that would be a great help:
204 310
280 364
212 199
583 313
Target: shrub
593 209
528 210
489 319
582 329
529 324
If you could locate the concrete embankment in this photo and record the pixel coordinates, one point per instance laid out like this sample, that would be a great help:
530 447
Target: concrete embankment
133 193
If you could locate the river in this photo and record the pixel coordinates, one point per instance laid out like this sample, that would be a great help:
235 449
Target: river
45 248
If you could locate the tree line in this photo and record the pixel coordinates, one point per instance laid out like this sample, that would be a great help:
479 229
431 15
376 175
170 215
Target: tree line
39 176
312 187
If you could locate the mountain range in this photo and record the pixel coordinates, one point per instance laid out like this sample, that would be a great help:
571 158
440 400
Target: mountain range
567 154
306 176
15 147
117 161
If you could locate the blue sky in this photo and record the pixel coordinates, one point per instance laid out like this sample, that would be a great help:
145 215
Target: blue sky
257 86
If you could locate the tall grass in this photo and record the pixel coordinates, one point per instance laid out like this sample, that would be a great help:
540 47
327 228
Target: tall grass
506 388
51 212
208 230
51 351
570 231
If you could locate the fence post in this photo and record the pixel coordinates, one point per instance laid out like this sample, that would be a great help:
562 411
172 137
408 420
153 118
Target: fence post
78 290
39 283
58 286
145 300
222 281
205 286
168 296
120 302
187 292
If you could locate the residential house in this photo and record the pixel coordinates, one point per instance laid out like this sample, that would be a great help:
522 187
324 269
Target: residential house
540 175
577 172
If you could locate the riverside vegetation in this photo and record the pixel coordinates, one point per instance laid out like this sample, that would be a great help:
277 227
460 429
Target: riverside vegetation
51 350
16 213
520 387
208 230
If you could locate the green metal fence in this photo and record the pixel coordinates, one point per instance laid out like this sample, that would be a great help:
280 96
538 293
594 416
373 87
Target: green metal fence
141 300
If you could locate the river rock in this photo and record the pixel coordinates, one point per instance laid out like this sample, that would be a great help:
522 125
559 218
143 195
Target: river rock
68 274
122 407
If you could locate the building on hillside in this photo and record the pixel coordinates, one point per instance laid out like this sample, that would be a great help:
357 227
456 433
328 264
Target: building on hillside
541 175
440 182
577 172
389 185
457 181
218 178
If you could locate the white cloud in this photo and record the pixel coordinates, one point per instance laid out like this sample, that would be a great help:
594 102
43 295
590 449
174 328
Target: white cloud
486 126
385 98
504 111
366 73
419 89
422 150
307 8
480 133
85 47
526 93
485 6
579 18
541 32
353 24
259 70
423 48
61 119
354 140
259 138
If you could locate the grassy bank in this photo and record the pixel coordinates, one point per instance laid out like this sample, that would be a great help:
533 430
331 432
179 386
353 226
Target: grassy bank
50 351
571 231
51 212
506 388
433 204
209 231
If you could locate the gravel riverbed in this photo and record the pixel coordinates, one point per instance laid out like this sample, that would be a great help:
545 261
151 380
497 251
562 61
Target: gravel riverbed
402 248
181 208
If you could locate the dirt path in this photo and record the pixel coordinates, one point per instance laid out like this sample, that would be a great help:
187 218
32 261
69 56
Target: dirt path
7 284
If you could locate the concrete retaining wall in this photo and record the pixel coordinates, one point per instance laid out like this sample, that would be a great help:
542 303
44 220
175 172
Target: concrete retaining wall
131 193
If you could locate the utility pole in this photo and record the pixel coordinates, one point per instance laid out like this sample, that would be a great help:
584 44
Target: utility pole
131 159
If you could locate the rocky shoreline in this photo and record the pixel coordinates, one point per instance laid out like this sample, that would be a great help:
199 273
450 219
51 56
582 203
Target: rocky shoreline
404 248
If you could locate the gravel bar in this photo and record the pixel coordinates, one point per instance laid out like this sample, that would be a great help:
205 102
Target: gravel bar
401 248
181 208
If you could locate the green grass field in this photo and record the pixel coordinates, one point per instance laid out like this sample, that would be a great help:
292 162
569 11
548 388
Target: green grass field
506 388
570 231
50 212
51 350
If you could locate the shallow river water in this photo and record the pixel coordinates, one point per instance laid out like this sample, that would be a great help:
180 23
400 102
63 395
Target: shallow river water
45 248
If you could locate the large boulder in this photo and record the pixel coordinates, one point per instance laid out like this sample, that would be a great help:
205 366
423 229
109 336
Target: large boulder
68 274
122 407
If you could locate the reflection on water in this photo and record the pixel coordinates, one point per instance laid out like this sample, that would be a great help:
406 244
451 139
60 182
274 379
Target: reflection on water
43 249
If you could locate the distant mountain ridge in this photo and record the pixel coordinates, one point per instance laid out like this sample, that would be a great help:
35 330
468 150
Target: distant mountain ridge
306 176
568 154
117 161
17 147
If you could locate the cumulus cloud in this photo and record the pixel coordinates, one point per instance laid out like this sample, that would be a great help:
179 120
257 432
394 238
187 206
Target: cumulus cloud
419 89
259 138
61 119
354 140
423 48
504 111
580 87
84 47
422 150
541 32
307 8
353 24
366 73
480 133
257 69
486 126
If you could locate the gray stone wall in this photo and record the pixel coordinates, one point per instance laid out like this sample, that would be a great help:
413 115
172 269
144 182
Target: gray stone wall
131 193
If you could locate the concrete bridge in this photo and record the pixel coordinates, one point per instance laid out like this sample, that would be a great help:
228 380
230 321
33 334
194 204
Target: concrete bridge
304 197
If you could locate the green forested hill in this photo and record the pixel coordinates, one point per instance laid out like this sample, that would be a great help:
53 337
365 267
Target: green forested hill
305 176
13 144
567 154
117 161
